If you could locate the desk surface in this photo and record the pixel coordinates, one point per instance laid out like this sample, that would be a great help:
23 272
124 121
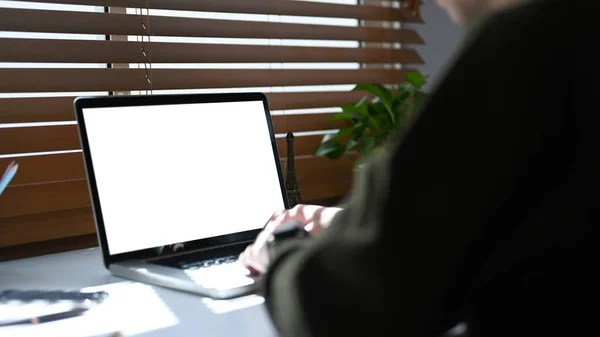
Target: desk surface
194 315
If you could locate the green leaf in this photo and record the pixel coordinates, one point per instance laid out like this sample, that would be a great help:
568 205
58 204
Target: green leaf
327 137
400 106
378 90
402 95
342 116
361 109
366 144
328 147
385 96
379 112
373 125
343 133
351 144
420 99
400 119
333 155
362 101
402 103
358 131
415 78
348 108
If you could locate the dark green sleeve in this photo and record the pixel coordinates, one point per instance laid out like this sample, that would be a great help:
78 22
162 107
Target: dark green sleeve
418 222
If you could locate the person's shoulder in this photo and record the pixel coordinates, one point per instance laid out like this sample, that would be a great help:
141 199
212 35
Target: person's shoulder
535 22
544 17
538 30
539 13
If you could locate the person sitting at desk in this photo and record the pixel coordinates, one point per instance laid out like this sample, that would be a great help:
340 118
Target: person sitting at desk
481 213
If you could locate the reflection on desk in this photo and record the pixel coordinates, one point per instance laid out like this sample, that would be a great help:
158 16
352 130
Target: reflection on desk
225 306
130 309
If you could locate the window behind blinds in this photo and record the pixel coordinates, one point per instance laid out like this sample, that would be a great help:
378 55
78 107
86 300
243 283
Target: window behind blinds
305 55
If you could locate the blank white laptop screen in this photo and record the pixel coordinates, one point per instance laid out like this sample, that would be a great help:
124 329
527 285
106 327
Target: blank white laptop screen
174 173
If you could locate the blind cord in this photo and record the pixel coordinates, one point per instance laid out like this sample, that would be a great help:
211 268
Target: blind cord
146 54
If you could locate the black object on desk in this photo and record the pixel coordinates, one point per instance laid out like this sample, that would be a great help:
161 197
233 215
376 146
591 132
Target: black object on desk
52 296
291 184
39 306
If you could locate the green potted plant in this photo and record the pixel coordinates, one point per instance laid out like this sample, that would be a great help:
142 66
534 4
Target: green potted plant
374 119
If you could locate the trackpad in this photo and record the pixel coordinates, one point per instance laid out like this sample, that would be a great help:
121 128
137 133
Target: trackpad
224 276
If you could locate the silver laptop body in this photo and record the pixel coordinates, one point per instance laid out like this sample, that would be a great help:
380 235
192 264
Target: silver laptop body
180 185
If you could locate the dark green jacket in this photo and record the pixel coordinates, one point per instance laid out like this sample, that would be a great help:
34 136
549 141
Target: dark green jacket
483 212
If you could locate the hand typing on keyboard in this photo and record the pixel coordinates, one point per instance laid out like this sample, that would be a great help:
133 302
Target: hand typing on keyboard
314 218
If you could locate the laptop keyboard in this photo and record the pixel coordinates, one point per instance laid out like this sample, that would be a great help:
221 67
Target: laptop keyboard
223 272
208 263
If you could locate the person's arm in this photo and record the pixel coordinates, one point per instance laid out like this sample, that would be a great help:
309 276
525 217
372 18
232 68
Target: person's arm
421 219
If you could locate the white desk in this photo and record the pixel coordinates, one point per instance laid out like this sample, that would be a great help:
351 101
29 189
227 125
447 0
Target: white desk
193 315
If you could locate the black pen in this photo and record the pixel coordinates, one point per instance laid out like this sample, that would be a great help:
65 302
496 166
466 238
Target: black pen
47 318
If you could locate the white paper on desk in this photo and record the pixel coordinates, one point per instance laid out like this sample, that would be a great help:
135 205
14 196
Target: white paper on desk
131 308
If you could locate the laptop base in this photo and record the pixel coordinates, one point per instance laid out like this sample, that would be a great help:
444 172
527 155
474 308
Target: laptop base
215 284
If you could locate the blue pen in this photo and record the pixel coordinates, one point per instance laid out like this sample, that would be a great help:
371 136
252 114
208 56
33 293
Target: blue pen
8 176
8 169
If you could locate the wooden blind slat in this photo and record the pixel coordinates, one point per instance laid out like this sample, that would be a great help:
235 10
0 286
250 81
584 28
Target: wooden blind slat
318 178
66 137
311 100
299 8
38 109
39 139
309 168
32 199
26 20
47 168
46 226
48 247
69 80
52 109
306 122
328 187
83 51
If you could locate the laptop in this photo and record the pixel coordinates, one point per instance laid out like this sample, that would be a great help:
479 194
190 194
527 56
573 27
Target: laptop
180 185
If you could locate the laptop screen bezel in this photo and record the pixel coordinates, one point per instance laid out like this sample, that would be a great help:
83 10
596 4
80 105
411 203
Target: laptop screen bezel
81 103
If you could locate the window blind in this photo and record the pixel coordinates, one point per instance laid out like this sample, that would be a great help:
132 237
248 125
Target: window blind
305 55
